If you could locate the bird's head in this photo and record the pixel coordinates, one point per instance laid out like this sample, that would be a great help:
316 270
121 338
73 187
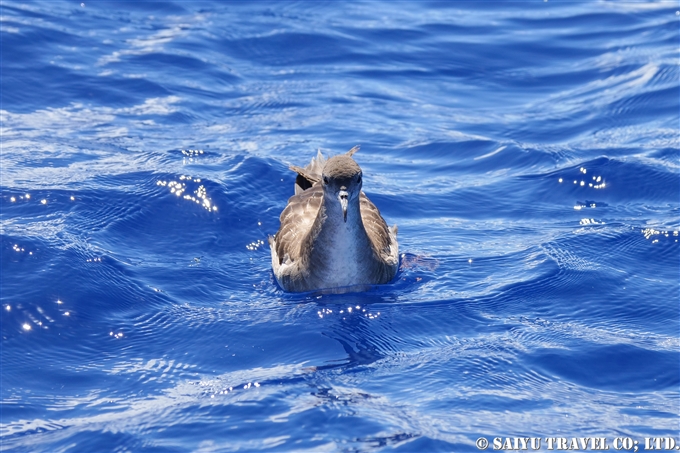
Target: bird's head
341 180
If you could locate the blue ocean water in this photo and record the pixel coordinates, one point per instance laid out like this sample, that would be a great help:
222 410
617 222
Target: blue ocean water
528 151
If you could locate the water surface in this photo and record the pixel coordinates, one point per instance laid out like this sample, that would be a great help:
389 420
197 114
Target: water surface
528 152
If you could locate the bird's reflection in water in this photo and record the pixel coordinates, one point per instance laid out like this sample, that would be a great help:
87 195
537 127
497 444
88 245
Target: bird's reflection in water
358 325
345 390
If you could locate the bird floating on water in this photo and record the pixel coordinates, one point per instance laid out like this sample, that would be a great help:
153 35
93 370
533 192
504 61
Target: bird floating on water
332 237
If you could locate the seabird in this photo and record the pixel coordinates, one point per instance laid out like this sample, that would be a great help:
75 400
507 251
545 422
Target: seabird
331 236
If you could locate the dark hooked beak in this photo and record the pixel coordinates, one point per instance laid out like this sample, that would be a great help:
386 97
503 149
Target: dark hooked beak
343 195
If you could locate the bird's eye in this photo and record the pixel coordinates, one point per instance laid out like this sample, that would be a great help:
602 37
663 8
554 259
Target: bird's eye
325 179
359 180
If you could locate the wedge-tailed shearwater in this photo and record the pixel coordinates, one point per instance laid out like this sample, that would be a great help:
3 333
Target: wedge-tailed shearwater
332 237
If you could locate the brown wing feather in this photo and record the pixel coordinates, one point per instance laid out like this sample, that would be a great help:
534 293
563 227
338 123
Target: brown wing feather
309 175
375 225
351 152
296 221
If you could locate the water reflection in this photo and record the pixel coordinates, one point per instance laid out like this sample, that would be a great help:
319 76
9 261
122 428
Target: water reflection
200 194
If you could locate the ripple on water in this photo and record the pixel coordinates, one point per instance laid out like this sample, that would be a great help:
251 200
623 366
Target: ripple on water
528 155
